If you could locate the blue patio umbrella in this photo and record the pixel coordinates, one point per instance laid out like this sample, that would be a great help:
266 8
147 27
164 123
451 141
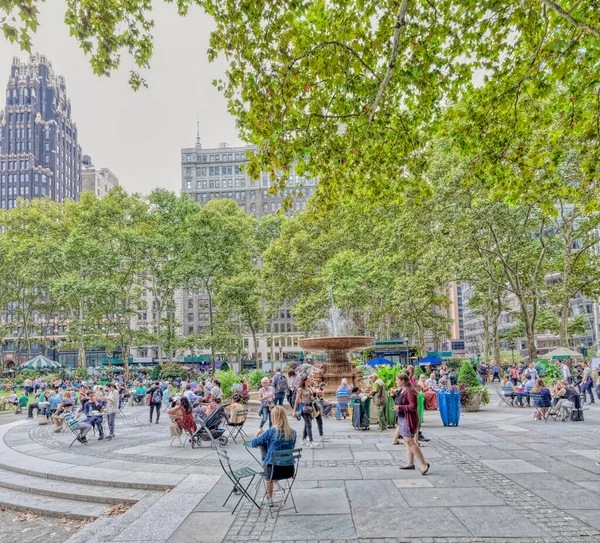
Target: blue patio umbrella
433 360
380 362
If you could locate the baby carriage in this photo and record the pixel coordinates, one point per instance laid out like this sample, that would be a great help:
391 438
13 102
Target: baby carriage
210 428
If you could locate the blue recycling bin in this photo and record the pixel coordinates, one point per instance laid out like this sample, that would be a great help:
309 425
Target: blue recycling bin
449 406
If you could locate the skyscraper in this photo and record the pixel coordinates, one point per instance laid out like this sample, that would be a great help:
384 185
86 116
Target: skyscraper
39 153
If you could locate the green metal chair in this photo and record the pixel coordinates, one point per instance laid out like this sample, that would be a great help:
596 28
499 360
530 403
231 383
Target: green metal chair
238 478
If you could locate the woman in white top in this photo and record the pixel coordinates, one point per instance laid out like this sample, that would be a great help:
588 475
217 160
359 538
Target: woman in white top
266 395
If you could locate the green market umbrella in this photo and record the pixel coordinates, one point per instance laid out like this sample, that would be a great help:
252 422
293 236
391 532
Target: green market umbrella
39 362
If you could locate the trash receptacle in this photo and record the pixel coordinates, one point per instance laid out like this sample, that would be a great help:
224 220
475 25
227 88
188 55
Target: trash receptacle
449 406
390 414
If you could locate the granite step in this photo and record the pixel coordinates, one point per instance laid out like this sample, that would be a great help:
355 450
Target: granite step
50 506
70 491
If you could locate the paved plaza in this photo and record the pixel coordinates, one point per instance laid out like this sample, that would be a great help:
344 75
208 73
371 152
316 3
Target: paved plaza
499 476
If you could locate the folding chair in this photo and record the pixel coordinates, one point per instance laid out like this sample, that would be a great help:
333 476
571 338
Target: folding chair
77 437
503 399
286 484
236 429
538 404
237 476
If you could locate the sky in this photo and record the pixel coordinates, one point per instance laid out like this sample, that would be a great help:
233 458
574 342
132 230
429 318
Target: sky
138 135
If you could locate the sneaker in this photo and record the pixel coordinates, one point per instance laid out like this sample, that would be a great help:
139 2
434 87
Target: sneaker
100 438
423 438
315 444
109 438
56 430
156 422
304 442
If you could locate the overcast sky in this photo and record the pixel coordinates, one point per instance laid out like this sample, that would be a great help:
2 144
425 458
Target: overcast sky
138 135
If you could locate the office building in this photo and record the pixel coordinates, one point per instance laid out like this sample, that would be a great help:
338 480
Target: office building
97 180
220 172
39 153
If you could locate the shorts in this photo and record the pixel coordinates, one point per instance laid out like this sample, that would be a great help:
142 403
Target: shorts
279 472
404 428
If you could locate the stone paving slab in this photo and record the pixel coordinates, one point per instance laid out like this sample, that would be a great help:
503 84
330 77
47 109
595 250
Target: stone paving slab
497 522
307 528
446 497
203 528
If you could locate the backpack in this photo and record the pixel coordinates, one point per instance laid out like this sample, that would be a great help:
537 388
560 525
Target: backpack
282 384
157 396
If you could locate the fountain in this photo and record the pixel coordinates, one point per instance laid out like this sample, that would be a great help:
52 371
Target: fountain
336 347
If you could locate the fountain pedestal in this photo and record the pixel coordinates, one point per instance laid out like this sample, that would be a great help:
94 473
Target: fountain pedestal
337 366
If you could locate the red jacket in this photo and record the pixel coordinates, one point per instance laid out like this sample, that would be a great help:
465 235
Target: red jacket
409 405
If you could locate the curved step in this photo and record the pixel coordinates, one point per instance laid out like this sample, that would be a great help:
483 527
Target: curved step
12 460
67 490
50 506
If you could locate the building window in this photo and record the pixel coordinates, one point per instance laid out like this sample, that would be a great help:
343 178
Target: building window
188 158
188 184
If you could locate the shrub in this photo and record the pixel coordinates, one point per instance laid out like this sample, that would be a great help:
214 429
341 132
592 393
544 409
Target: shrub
467 375
418 372
228 379
388 375
255 377
156 370
224 367
81 373
174 370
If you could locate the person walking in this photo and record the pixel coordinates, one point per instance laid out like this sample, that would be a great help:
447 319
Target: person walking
379 397
281 387
305 407
156 396
408 422
587 384
266 395
496 373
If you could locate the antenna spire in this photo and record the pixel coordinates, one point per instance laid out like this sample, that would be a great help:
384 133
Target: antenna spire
198 144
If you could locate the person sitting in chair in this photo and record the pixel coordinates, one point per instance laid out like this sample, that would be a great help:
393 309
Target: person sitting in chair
235 410
11 400
280 437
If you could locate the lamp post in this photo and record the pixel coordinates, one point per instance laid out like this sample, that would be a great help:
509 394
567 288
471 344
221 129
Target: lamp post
512 350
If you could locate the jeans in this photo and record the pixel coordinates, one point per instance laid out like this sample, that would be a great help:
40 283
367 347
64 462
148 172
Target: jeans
307 432
326 408
339 408
30 409
521 396
28 390
266 415
110 418
319 421
279 397
588 388
154 406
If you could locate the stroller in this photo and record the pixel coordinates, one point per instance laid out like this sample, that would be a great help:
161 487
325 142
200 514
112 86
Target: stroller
210 428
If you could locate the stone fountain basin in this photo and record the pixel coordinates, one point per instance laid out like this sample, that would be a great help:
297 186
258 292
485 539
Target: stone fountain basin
336 343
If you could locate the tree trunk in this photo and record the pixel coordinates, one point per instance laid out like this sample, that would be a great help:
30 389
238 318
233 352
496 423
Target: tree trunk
255 344
495 334
565 306
81 362
486 338
212 332
421 340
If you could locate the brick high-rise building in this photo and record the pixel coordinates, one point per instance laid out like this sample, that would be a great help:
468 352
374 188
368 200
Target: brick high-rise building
39 153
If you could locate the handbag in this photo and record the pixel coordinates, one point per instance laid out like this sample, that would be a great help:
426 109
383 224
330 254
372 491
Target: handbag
307 409
42 420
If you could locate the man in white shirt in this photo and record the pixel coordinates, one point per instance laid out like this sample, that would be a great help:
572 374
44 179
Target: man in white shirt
112 408
566 372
